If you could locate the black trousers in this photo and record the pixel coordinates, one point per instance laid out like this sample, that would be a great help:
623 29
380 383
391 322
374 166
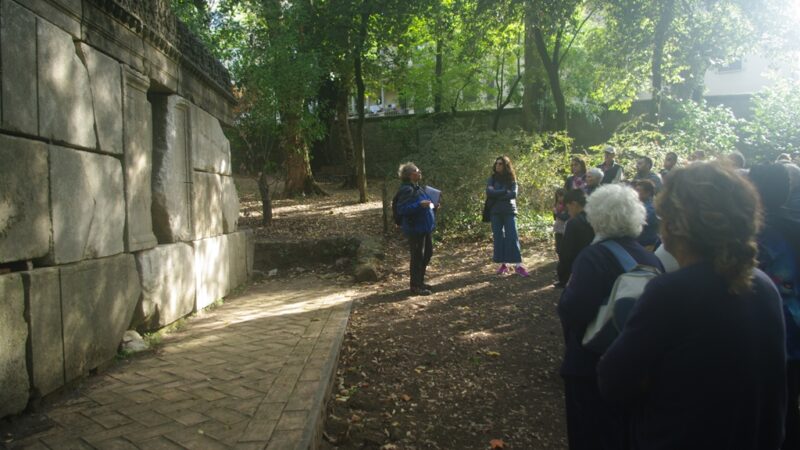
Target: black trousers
421 248
592 424
792 438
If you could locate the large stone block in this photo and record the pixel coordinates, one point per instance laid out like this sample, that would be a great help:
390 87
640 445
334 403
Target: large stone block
98 298
207 205
161 68
24 208
109 35
172 172
65 98
18 57
138 142
47 344
217 101
212 270
88 205
106 84
13 334
211 150
66 14
168 285
230 205
237 245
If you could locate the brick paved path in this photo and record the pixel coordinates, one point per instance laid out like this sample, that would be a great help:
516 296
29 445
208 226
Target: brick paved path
252 374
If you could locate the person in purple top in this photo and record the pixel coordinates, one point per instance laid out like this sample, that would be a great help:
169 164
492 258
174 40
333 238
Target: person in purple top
701 360
616 214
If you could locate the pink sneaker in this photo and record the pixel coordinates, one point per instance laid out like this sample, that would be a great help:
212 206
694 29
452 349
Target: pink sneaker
521 271
502 269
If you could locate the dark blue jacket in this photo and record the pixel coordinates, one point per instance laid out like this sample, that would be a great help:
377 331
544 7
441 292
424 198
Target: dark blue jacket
649 234
504 195
779 258
701 368
416 218
593 275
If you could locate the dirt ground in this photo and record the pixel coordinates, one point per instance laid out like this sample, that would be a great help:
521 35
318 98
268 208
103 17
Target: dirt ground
473 366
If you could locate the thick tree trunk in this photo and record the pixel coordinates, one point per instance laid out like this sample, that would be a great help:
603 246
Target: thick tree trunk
551 66
299 180
266 201
438 85
666 15
360 160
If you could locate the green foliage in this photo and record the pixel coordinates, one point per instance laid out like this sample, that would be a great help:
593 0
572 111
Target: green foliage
691 127
458 160
774 127
712 129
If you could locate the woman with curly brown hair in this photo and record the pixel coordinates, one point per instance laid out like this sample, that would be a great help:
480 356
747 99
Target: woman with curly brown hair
501 191
701 359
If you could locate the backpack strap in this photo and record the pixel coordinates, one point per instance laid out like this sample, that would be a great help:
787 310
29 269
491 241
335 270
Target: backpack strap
623 257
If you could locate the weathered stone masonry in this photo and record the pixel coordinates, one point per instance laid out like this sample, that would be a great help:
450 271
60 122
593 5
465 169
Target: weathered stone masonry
117 205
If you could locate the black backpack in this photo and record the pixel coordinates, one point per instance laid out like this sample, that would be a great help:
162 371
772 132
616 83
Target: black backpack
398 219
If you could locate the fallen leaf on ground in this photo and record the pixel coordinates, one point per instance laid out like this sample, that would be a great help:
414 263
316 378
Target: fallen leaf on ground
497 443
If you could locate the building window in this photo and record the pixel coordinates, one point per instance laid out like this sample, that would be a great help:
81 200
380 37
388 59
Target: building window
735 66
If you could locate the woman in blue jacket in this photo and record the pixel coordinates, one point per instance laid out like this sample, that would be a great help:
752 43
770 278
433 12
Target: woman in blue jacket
416 210
501 190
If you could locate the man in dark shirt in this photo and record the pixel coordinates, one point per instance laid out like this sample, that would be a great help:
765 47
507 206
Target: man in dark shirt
644 171
612 172
577 235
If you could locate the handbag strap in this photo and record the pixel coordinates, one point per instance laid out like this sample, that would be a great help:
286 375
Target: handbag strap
623 257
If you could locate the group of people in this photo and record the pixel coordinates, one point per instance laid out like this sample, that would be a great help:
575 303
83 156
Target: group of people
709 356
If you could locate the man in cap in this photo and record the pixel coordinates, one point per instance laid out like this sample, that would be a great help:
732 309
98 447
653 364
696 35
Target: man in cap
612 172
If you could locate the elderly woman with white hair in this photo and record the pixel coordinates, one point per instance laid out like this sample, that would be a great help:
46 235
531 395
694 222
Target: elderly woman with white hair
617 216
593 179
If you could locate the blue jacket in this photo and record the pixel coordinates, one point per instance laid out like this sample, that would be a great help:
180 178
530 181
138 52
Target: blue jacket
416 218
701 367
649 234
504 196
593 275
779 259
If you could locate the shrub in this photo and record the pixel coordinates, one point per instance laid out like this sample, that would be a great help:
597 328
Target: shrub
773 129
458 160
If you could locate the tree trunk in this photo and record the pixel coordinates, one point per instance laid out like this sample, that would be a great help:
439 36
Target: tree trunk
360 160
345 138
299 180
438 86
666 14
529 94
551 66
266 202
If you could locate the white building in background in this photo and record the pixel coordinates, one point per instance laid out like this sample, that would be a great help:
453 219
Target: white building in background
745 76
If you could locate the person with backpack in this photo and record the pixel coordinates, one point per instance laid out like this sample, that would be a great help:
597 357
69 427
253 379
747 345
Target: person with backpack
701 360
415 209
501 192
779 258
616 215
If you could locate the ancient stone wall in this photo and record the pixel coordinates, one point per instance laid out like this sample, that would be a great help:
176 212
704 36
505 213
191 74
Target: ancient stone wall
117 205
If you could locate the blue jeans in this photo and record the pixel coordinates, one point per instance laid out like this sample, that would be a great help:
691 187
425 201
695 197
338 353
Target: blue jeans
506 241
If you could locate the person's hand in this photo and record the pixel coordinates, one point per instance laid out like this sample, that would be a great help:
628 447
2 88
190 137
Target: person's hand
425 203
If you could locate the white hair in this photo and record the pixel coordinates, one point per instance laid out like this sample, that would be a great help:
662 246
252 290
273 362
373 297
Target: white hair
595 171
615 211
